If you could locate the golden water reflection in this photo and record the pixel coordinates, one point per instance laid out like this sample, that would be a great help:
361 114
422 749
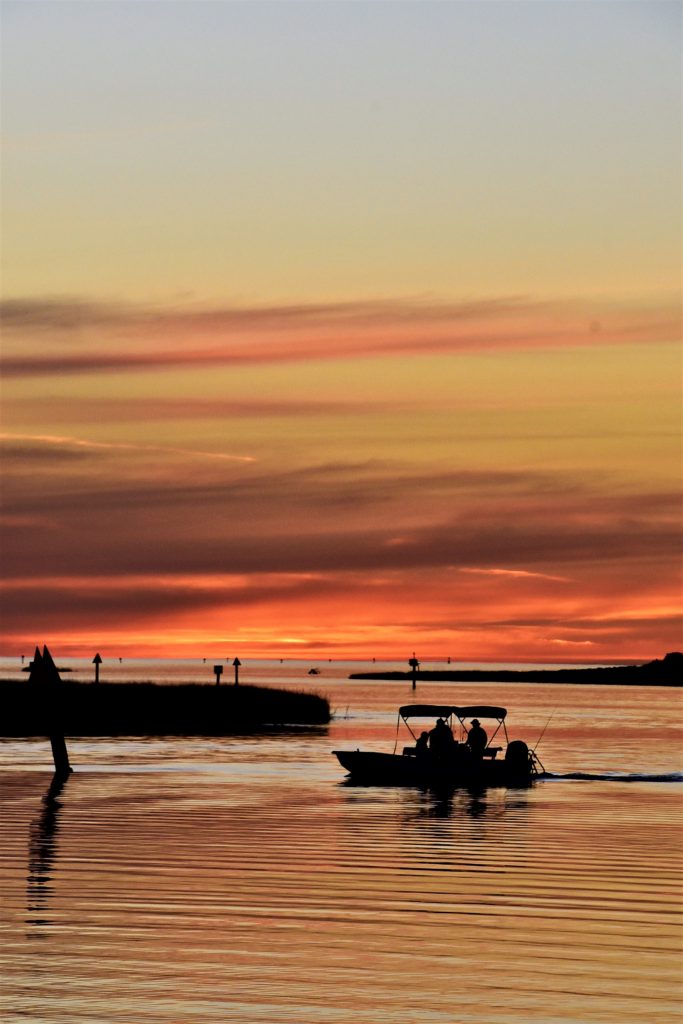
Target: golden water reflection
200 880
178 897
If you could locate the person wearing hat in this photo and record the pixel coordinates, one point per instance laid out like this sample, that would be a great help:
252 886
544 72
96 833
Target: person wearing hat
477 738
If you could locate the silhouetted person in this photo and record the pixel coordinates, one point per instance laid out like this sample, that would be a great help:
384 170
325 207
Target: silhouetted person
477 738
440 738
422 745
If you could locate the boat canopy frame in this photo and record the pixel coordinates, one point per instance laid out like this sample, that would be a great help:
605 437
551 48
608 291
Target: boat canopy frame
451 711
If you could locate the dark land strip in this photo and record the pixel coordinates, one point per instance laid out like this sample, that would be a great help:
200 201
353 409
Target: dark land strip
667 672
153 709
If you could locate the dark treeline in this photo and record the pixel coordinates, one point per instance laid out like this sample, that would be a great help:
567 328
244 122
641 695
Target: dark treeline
150 709
667 672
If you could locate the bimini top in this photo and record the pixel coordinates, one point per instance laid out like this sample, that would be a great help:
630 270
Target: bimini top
446 710
427 711
481 711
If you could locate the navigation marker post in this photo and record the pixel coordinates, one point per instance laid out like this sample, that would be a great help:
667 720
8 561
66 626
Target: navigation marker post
218 669
97 661
237 664
414 664
44 676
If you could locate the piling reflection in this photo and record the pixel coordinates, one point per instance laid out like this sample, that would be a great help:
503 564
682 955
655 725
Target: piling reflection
42 851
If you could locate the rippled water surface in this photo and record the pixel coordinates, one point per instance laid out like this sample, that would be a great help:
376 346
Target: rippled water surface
186 881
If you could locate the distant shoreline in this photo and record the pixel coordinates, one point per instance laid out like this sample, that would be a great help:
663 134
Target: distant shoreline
667 672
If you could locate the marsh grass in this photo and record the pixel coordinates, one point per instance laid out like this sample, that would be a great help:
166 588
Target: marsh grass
149 709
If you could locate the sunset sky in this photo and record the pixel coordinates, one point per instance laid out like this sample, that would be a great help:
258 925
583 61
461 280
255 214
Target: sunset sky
342 329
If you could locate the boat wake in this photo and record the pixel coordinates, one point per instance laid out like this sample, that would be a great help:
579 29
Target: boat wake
612 777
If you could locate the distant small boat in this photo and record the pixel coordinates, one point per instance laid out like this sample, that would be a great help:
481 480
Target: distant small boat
314 671
452 764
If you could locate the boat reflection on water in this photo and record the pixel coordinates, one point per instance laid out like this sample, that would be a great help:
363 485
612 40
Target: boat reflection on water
42 850
472 804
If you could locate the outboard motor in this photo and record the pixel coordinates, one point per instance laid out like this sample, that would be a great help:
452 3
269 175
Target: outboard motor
517 758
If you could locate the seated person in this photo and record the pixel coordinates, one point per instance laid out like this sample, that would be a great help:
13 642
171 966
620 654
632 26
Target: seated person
477 738
440 737
422 744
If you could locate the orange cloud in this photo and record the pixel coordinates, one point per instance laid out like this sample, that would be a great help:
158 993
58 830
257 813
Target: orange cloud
287 334
324 556
505 505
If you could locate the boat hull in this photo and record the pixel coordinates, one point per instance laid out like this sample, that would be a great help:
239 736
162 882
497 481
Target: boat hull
375 769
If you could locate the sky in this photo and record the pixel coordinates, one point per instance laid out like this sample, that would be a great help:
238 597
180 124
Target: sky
342 329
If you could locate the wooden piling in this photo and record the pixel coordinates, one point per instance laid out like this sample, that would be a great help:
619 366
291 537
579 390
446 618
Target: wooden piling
44 675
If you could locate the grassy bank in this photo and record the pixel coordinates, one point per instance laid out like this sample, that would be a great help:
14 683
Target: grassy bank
149 709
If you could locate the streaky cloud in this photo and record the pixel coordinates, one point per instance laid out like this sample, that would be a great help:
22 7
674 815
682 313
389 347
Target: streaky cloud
328 487
152 408
67 443
114 600
517 574
162 544
168 339
31 314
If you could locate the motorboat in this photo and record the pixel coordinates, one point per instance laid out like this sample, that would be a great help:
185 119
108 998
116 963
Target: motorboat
446 756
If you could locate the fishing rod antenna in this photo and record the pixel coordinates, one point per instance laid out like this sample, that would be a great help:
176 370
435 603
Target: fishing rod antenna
536 744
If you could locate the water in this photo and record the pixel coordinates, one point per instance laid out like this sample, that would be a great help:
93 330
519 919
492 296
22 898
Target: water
197 880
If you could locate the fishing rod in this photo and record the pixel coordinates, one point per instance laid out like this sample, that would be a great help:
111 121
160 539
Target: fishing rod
543 732
533 752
